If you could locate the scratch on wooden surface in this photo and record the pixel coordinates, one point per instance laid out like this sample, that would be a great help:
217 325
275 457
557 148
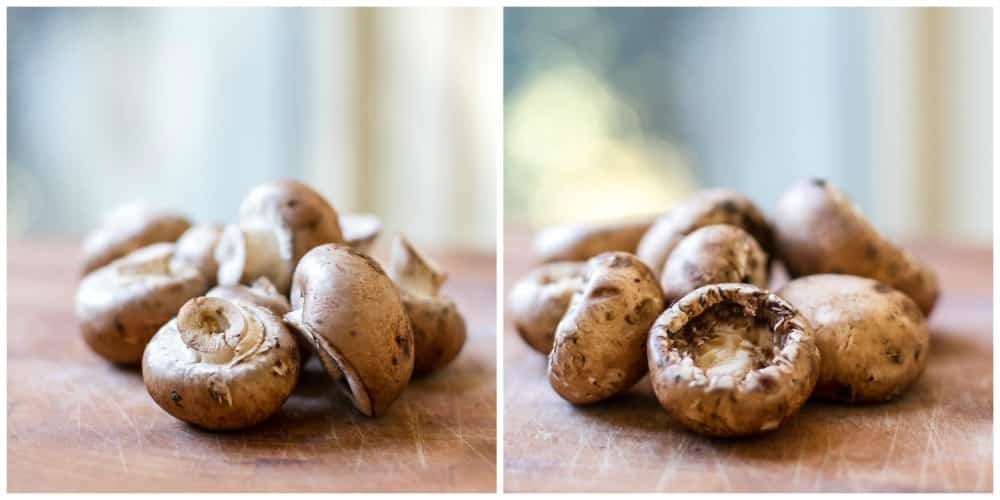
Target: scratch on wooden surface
606 452
127 418
121 457
415 431
362 439
895 424
670 467
931 426
721 470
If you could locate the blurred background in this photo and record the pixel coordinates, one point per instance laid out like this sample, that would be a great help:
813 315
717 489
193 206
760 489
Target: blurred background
625 111
390 111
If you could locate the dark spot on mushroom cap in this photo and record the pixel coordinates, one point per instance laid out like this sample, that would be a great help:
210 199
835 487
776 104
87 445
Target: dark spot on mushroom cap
871 250
816 181
882 288
353 333
729 206
119 327
292 203
894 356
618 260
395 361
176 398
604 291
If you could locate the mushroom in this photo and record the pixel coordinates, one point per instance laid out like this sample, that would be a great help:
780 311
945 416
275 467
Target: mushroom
128 228
732 360
438 328
120 306
819 230
351 316
579 242
360 230
221 364
279 222
261 293
197 247
719 253
599 345
540 299
712 206
873 339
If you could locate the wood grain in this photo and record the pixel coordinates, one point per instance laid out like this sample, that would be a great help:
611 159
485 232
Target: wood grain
76 423
937 437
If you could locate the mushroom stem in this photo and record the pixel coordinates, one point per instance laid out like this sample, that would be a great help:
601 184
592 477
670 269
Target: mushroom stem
218 331
412 271
246 252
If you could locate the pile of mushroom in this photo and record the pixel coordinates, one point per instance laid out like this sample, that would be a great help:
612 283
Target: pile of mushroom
686 298
291 277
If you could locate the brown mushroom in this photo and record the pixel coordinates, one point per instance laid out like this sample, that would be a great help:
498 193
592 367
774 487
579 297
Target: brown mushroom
127 228
540 299
712 206
438 328
732 360
197 247
120 306
873 339
221 364
279 222
819 230
719 253
352 317
599 348
579 242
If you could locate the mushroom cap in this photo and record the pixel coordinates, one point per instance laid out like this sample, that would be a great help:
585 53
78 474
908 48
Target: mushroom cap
309 219
438 328
197 247
120 306
873 339
235 394
719 253
360 230
540 299
731 360
438 331
711 206
579 242
820 231
128 228
353 318
599 348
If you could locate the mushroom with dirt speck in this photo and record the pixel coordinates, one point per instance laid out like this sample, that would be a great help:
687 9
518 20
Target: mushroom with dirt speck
599 347
120 306
221 364
819 230
873 339
351 315
438 328
540 299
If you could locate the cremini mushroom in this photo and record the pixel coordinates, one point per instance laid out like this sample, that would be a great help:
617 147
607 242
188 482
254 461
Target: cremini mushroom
438 328
197 247
719 253
120 306
732 360
819 230
873 339
360 230
221 364
711 206
352 317
579 242
127 228
540 299
599 348
279 222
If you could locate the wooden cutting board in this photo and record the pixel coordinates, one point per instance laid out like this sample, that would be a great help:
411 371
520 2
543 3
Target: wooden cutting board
937 437
76 423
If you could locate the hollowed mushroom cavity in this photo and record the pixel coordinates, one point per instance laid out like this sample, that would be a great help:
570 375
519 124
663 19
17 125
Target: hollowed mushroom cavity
732 359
